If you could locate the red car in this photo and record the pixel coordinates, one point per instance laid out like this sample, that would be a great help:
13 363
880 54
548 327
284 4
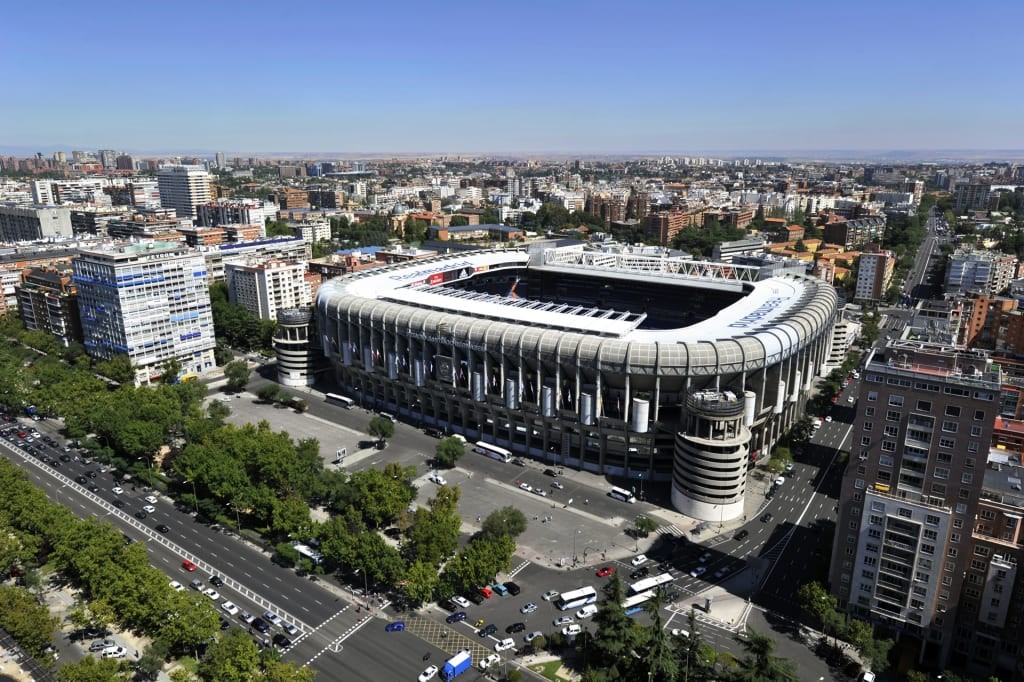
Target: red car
188 565
605 572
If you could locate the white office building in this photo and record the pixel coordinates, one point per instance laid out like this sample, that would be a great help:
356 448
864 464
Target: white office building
231 212
148 301
183 188
268 287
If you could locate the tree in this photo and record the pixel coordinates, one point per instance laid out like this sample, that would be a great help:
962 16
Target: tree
420 581
458 221
658 655
616 633
645 525
381 428
170 370
270 393
237 373
449 451
760 663
799 246
91 669
507 521
119 368
29 622
232 658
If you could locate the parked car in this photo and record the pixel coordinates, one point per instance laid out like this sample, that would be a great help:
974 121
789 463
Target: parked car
115 652
512 588
500 589
528 608
456 617
428 674
514 628
188 565
550 594
562 620
460 601
487 630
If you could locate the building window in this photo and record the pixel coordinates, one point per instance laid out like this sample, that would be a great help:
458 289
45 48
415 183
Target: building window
961 508
938 489
976 430
972 446
867 575
958 523
896 400
857 497
965 494
967 478
954 537
877 506
875 520
949 426
951 552
981 550
944 458
885 476
885 461
872 396
941 473
871 547
948 443
859 484
969 463
892 415
924 405
888 446
870 561
865 440
869 412
861 470
868 426
927 549
891 431
930 534
905 513
987 514
952 411
853 525
979 415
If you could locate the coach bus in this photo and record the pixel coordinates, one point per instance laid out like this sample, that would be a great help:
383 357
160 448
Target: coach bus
622 494
650 583
493 451
576 598
635 604
347 403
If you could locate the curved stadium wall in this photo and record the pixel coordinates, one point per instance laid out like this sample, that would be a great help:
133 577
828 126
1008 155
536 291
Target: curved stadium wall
586 387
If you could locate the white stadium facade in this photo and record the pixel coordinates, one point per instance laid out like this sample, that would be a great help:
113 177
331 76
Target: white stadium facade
641 367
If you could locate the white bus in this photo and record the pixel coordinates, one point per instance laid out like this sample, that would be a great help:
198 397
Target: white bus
347 403
622 494
493 451
650 583
635 604
576 598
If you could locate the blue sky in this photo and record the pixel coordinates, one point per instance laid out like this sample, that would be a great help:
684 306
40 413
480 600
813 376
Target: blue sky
584 77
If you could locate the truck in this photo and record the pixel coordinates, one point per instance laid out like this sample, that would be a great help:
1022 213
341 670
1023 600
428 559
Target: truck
456 665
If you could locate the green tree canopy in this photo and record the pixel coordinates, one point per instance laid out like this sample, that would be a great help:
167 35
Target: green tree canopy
507 521
449 451
237 373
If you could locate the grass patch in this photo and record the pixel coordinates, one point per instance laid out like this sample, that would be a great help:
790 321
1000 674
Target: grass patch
549 670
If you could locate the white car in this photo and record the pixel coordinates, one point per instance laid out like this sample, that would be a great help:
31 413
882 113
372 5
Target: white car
492 659
505 644
572 630
149 509
526 486
532 636
428 674
586 612
789 466
780 480
438 479
829 419
115 652
212 593
229 608
176 586
461 601
850 399
151 499
638 560
246 617
528 608
540 491
557 486
679 632
290 629
273 618
548 596
117 490
562 620
698 572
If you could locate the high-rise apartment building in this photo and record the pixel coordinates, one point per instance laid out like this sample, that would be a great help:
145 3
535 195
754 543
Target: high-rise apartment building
985 272
31 223
148 301
183 188
874 274
231 212
269 287
47 302
912 489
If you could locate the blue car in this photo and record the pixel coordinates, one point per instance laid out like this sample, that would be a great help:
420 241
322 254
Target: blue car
397 626
500 589
456 617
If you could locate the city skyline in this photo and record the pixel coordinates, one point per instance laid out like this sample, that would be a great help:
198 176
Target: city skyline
568 79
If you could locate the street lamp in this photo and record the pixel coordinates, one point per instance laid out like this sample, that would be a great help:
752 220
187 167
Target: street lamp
574 545
195 496
640 475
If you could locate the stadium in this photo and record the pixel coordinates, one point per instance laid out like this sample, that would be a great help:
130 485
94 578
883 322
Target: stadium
639 367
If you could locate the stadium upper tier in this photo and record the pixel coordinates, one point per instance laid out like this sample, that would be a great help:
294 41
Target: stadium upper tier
768 321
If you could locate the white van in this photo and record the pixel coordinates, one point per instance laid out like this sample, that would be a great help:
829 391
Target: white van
586 612
390 417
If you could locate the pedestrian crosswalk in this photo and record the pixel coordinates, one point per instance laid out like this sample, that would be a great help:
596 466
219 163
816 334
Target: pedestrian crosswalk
670 530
